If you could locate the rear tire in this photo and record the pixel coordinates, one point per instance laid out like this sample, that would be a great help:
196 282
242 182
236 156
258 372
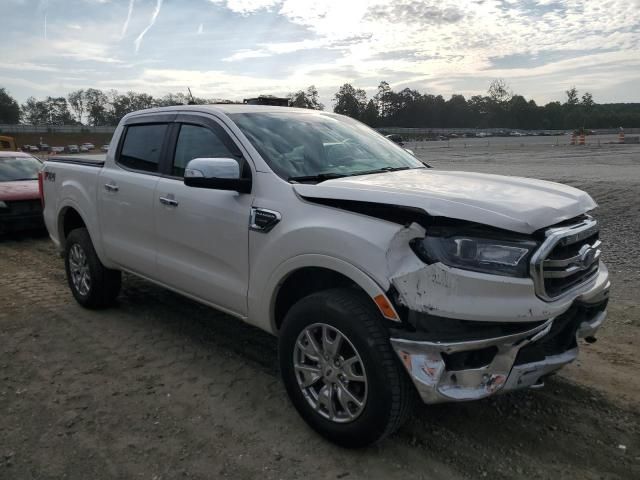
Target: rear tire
92 284
380 396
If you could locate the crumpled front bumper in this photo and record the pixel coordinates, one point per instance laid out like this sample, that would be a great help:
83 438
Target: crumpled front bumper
511 367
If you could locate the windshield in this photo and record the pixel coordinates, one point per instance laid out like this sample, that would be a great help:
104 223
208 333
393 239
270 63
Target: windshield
297 145
19 168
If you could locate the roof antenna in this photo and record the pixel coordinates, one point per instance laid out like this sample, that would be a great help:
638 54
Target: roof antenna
192 100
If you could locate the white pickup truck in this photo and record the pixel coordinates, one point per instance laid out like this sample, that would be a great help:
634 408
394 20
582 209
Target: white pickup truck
384 280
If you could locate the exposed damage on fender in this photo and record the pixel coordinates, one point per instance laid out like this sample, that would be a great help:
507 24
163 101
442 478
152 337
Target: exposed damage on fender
470 334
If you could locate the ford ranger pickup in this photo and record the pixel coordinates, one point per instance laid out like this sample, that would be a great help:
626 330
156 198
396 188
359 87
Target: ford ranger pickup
384 280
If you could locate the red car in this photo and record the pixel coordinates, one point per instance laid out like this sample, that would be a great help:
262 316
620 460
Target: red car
20 206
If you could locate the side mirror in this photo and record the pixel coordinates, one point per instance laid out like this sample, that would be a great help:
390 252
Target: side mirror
216 174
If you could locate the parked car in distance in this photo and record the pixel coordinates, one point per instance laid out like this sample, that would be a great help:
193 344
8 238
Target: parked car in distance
72 149
382 279
88 145
395 138
84 148
57 149
43 147
33 148
20 206
105 147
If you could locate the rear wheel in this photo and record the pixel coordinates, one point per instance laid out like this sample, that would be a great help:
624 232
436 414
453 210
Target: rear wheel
340 370
92 284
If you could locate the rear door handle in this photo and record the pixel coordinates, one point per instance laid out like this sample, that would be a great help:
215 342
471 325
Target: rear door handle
110 187
168 201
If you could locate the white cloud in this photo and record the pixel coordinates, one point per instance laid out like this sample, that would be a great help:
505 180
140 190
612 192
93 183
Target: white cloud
125 26
246 54
246 6
154 16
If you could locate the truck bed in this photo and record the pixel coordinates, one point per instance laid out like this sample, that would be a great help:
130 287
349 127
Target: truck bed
91 160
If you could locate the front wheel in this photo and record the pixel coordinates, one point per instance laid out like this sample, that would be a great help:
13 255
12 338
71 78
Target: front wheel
92 284
339 369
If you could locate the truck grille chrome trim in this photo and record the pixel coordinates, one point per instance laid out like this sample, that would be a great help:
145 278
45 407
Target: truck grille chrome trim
567 259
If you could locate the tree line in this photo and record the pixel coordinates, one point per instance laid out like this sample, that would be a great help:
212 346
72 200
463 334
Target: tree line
499 108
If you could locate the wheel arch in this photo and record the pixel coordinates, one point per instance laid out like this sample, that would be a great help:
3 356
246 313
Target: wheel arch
70 217
306 274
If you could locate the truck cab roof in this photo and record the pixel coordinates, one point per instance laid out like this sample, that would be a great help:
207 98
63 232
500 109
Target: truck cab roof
224 108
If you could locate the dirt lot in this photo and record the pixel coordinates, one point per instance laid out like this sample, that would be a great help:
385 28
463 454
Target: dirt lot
160 387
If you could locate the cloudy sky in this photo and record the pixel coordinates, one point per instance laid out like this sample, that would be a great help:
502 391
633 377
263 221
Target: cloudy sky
238 48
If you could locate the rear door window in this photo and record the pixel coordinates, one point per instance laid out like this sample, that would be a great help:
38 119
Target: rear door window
142 147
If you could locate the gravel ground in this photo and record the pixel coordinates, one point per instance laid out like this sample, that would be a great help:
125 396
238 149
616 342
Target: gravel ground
160 387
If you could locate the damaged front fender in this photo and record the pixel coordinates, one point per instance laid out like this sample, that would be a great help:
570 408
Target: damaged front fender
456 293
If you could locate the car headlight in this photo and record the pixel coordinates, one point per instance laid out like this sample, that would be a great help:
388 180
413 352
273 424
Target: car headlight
486 255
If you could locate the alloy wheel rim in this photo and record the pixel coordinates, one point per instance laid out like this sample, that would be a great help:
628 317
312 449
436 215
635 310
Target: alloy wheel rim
330 373
79 269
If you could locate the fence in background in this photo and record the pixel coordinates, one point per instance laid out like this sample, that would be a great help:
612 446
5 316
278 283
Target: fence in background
489 131
517 143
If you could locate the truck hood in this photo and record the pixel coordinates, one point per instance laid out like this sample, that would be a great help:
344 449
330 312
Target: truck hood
22 190
512 203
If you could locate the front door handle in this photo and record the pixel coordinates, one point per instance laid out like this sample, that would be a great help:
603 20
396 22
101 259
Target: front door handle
110 187
170 202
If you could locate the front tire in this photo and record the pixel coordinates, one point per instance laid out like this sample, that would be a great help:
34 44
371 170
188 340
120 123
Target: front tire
339 369
92 284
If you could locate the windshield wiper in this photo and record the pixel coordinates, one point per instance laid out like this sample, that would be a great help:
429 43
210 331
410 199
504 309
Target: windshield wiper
381 170
320 177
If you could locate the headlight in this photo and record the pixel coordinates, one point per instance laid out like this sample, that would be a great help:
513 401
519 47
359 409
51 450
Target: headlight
498 257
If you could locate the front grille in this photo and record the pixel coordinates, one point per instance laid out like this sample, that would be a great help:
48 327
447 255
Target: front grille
568 258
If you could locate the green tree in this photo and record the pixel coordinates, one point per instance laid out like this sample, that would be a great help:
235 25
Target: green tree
350 101
9 108
572 97
499 91
457 112
50 111
553 116
76 104
57 111
383 99
308 98
171 99
518 111
96 105
587 101
34 112
479 110
370 114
